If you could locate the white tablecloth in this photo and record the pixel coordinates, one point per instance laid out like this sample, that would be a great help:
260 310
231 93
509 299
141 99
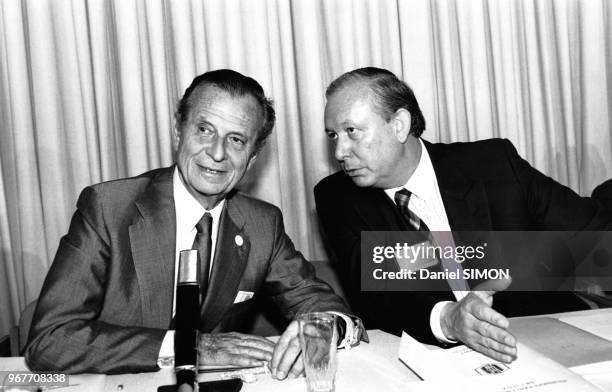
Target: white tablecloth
368 367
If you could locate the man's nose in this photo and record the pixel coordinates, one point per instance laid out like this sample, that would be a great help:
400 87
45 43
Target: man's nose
342 148
216 150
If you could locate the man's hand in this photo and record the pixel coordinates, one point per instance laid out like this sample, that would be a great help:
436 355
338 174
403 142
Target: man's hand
286 359
476 324
234 349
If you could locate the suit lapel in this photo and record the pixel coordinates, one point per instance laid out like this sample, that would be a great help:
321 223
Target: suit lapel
152 239
228 267
378 211
465 200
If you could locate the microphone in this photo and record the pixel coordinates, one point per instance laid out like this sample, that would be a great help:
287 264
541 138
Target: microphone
186 321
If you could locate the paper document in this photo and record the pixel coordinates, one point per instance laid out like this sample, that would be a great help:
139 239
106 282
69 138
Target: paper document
599 374
461 368
597 324
564 343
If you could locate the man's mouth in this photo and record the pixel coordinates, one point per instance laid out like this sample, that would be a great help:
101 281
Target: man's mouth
211 171
351 171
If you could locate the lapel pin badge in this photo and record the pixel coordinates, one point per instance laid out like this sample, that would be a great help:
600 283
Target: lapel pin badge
238 240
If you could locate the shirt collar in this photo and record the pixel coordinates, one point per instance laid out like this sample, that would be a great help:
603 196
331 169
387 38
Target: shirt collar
188 209
422 182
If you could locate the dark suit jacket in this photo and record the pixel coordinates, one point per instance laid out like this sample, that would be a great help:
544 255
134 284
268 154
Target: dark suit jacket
603 193
106 303
484 185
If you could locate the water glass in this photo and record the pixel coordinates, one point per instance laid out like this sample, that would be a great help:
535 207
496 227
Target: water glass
318 338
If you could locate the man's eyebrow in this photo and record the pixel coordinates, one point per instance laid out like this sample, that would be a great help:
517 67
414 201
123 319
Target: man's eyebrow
348 123
233 132
201 120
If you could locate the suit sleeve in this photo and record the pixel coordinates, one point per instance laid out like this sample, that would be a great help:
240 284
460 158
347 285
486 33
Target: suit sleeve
66 333
291 280
392 312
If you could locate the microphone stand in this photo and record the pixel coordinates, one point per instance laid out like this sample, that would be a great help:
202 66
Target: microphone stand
186 322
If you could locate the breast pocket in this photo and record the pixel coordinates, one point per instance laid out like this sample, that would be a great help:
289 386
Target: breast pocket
242 306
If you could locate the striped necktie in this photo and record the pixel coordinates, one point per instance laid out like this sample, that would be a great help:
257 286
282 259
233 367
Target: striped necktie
402 198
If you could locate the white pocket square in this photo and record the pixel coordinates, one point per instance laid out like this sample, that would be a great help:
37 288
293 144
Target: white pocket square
243 296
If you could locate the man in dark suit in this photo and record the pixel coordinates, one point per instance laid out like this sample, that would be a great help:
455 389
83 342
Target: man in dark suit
107 303
392 180
603 193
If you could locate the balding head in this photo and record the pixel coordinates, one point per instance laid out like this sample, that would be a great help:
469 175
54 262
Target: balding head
387 92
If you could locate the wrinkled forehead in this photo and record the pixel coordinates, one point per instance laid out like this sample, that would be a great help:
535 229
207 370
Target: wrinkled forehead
212 101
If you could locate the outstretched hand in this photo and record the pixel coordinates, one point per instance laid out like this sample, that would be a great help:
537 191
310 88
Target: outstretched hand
473 321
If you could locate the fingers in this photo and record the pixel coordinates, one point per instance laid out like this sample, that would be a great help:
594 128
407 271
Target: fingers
286 353
298 367
491 352
487 333
234 349
493 326
283 342
496 339
288 360
486 313
476 324
243 361
255 341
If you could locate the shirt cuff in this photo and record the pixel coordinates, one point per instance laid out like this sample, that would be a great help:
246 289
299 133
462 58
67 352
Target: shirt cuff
435 322
165 359
353 332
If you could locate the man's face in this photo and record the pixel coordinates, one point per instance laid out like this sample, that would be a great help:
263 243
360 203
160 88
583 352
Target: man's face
216 143
365 144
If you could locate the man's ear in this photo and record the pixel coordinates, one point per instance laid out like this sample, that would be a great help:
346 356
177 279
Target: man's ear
401 121
251 161
176 134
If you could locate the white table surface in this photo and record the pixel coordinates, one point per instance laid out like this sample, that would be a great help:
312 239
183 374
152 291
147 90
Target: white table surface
368 367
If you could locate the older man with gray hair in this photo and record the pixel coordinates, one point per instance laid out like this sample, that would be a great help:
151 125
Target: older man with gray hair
108 300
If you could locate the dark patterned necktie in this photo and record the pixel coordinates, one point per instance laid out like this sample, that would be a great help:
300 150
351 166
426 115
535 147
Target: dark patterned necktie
203 244
402 198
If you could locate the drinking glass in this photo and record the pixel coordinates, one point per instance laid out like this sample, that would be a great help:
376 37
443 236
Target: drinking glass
318 338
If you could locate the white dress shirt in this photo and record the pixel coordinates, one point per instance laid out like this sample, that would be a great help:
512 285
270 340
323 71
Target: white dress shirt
189 211
426 203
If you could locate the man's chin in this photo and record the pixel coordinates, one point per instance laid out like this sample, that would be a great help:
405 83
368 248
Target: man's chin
211 189
362 181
